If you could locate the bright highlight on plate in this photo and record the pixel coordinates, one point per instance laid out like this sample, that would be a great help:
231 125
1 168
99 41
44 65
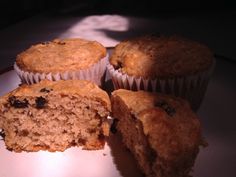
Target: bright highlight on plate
99 28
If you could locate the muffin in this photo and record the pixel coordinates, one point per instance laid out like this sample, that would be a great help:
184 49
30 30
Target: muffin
62 59
171 65
161 131
55 115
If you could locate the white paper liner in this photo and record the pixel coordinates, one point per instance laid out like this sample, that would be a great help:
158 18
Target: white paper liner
192 87
94 73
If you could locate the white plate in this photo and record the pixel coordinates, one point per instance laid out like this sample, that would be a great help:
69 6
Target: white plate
217 160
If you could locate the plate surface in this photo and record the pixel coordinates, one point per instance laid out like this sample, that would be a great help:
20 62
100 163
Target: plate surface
217 160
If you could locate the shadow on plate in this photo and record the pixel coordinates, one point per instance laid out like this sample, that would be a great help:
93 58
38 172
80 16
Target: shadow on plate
122 157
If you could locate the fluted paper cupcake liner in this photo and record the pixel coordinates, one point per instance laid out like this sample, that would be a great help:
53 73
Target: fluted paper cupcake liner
192 87
94 73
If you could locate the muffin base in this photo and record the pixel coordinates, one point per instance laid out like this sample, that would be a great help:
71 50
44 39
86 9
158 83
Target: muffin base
95 73
191 87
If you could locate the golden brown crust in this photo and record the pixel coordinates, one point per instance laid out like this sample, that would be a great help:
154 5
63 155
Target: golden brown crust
61 55
151 57
173 137
97 145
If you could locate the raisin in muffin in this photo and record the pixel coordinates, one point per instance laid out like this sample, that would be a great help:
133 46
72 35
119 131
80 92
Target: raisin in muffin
62 59
161 131
172 65
54 115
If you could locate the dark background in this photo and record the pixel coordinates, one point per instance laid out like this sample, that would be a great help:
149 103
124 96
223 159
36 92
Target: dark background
14 11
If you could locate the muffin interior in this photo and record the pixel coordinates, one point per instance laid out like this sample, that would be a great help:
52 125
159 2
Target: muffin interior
133 136
53 122
161 132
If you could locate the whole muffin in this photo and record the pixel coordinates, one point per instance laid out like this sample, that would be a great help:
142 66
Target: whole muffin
55 115
168 64
62 59
161 131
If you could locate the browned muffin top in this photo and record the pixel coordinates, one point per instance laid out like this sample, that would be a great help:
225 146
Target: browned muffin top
168 122
152 56
61 55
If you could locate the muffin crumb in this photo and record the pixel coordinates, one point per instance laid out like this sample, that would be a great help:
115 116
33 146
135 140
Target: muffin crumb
73 114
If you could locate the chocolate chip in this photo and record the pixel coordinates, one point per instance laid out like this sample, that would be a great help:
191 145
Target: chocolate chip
2 134
159 103
64 131
171 111
40 102
113 127
46 90
23 133
82 141
9 149
119 65
36 134
133 117
166 107
91 130
18 103
73 143
61 43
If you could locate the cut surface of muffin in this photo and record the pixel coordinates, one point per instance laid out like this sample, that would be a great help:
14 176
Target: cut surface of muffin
161 131
54 116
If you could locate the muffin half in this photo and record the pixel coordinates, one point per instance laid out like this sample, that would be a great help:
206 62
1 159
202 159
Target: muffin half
161 131
55 115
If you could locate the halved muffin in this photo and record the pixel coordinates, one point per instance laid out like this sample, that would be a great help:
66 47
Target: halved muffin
161 131
54 115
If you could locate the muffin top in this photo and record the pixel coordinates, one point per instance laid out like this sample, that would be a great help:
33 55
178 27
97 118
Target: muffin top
61 55
75 88
168 122
152 57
